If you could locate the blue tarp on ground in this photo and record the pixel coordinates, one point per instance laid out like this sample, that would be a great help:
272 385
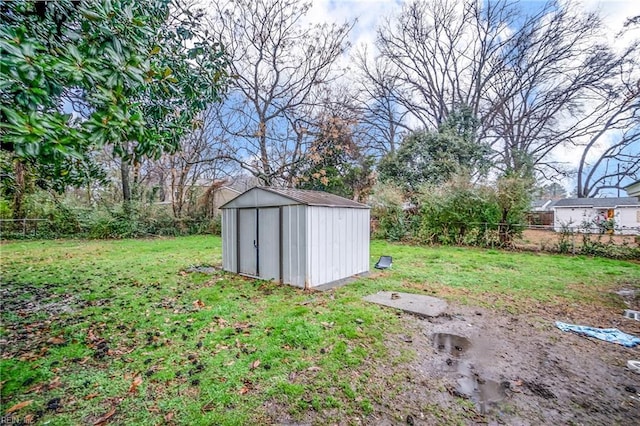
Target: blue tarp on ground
612 335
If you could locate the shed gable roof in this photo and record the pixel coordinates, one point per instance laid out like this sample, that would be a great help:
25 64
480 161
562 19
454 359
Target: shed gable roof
301 196
598 202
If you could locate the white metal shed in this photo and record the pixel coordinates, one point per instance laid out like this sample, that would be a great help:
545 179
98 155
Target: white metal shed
297 237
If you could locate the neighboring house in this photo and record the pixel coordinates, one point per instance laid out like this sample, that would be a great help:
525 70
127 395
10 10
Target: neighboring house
203 196
219 197
633 190
598 215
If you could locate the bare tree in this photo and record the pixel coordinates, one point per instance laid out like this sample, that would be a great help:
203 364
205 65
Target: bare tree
198 164
545 93
280 66
615 133
530 79
444 54
383 119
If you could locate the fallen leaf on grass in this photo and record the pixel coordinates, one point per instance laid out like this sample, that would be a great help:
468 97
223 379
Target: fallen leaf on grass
199 304
91 396
244 390
91 336
31 356
327 325
168 417
241 325
18 406
209 406
56 341
36 389
314 368
54 384
255 364
104 419
137 381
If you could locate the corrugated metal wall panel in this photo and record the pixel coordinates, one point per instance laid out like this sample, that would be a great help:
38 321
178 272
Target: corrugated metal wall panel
229 247
294 245
338 243
315 252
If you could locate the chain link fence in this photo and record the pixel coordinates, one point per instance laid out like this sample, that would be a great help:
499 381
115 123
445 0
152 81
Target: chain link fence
51 229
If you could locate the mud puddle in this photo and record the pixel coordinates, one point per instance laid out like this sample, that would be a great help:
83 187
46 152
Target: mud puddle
471 384
483 392
450 343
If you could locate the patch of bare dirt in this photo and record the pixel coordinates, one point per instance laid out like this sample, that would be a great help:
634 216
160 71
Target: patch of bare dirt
475 366
542 239
507 369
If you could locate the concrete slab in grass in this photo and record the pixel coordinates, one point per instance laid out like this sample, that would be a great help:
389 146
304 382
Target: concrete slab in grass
416 304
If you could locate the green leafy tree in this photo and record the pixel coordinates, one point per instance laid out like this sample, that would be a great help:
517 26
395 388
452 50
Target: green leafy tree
136 74
435 157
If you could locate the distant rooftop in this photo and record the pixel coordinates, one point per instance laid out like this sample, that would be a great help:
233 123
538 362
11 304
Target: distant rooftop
542 205
598 202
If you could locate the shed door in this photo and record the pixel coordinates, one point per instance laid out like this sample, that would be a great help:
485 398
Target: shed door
259 242
269 243
247 242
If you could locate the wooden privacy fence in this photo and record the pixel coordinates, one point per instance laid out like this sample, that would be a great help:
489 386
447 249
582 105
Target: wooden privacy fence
540 218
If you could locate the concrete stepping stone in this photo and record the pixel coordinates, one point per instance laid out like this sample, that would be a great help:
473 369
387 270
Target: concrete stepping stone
417 304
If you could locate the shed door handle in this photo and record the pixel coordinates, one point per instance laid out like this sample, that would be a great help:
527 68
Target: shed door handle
254 244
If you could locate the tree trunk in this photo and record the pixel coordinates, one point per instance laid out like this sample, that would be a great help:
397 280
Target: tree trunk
18 195
126 187
162 181
135 183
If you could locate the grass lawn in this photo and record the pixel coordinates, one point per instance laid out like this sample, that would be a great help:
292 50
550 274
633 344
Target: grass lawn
119 331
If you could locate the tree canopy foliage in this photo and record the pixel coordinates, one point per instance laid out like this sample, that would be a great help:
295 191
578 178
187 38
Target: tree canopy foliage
435 157
80 74
76 75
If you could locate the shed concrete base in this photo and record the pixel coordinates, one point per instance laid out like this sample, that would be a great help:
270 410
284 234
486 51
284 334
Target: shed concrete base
424 306
340 283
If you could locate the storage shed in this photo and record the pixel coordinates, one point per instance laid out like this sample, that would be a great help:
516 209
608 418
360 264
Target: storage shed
297 237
